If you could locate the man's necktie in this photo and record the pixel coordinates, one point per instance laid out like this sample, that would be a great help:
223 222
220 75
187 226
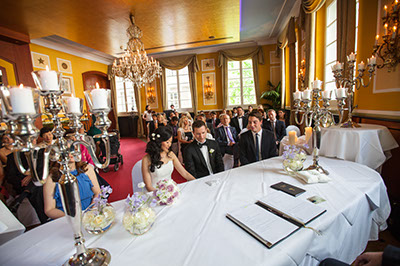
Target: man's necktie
201 144
273 128
257 148
228 132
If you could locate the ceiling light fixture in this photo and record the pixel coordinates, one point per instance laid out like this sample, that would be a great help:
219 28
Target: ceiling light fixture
135 65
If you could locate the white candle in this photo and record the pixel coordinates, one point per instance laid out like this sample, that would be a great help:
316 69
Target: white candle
376 39
361 66
341 93
297 95
49 80
385 11
394 32
372 61
308 133
326 94
317 84
292 137
73 105
99 98
306 95
22 100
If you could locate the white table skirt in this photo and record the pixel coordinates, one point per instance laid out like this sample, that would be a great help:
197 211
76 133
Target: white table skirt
195 231
367 145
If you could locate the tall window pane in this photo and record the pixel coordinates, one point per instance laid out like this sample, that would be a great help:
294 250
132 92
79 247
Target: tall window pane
125 95
241 88
330 44
178 88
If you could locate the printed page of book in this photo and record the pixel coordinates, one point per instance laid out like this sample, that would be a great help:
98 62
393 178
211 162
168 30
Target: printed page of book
265 224
300 209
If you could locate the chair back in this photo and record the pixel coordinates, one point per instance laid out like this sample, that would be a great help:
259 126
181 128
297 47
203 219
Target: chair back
293 128
137 175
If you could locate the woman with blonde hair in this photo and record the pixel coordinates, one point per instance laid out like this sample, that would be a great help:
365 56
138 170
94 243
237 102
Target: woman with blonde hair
187 114
185 135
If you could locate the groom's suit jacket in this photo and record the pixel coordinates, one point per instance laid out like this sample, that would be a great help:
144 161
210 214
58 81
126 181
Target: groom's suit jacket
248 148
195 162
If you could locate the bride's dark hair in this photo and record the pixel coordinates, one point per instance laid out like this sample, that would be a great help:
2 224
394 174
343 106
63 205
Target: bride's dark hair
153 147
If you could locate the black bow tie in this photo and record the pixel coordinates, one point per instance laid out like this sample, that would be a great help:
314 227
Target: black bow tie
240 117
202 144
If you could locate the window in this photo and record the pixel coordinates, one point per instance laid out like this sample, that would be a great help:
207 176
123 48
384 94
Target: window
125 96
178 88
357 16
241 90
330 45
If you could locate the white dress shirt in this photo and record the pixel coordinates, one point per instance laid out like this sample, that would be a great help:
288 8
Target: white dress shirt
259 142
204 151
240 122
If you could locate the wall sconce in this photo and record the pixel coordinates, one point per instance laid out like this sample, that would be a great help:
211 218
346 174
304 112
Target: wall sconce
389 50
302 74
151 95
208 92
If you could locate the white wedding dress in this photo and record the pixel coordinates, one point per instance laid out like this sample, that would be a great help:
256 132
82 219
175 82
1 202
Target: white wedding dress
164 172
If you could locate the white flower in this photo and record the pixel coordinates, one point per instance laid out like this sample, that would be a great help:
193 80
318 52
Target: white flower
99 221
141 185
153 134
211 151
158 135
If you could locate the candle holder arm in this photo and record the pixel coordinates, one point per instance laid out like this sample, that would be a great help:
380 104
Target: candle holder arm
92 152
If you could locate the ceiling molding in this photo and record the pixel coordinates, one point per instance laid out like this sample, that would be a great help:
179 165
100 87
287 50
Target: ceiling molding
66 46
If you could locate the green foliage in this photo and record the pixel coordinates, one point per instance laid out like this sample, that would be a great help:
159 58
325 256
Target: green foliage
273 94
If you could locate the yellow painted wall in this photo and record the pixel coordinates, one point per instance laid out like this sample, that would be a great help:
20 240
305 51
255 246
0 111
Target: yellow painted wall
10 72
365 98
79 65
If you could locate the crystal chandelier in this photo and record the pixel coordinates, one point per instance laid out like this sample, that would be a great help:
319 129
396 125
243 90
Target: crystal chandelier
135 64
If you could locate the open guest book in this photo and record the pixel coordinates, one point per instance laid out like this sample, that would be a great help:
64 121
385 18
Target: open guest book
275 217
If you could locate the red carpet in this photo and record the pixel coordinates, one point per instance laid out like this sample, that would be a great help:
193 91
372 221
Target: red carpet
132 149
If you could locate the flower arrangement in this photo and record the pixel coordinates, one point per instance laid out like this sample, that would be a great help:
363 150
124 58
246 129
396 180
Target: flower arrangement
166 192
100 215
293 158
139 215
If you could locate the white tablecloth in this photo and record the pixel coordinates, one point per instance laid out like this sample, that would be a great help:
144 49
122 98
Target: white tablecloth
194 231
10 227
369 145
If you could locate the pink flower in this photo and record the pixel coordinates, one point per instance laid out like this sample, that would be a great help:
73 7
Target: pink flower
176 194
170 188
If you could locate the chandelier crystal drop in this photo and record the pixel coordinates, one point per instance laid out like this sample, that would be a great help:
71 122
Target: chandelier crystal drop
135 65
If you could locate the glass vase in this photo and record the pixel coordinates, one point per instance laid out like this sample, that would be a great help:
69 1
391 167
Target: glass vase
294 158
98 221
140 221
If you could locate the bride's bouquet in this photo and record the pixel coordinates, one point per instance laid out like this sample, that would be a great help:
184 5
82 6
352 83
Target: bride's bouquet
166 192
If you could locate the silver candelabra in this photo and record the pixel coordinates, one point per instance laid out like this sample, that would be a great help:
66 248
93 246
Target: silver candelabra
347 80
20 109
309 106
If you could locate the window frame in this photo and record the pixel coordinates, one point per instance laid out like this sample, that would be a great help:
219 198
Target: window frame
125 113
180 109
332 80
241 84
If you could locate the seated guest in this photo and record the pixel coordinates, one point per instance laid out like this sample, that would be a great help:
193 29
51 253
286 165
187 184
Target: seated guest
240 121
214 120
185 135
202 157
202 117
47 135
256 144
275 126
152 126
173 108
173 125
7 142
262 112
161 122
227 139
234 112
229 112
87 183
159 162
281 116
249 110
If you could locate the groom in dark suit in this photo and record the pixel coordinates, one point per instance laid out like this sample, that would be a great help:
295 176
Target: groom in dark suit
202 157
256 144
276 126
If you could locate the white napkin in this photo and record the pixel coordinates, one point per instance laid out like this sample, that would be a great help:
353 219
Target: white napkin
312 176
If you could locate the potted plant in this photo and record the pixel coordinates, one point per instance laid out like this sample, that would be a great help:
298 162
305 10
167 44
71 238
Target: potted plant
273 94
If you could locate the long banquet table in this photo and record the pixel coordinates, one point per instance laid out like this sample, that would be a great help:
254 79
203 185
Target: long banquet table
195 231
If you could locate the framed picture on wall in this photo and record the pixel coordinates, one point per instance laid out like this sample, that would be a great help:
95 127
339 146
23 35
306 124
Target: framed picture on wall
209 91
40 60
64 66
207 65
67 85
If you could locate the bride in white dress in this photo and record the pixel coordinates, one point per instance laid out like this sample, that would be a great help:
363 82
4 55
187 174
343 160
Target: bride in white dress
159 162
